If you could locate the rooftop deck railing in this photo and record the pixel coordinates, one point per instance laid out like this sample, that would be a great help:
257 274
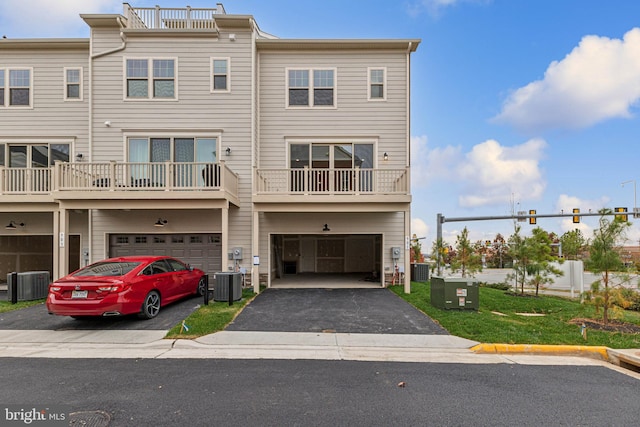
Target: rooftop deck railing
164 18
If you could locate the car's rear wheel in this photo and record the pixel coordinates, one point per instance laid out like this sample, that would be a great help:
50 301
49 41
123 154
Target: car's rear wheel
201 287
150 306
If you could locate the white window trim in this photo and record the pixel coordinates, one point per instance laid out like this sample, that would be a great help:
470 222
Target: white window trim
211 89
81 83
7 89
150 96
384 84
310 88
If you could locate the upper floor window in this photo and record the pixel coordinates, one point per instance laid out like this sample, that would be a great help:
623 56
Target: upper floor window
377 84
220 75
16 87
318 91
160 84
73 84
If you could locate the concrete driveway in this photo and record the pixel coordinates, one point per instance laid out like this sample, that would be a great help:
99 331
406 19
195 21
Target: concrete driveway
367 311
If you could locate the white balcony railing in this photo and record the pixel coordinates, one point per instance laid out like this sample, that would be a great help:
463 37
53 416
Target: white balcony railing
114 176
162 18
332 181
25 180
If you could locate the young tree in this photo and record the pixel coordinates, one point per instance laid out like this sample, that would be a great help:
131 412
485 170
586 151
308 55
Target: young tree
604 259
416 250
466 259
518 253
539 259
573 242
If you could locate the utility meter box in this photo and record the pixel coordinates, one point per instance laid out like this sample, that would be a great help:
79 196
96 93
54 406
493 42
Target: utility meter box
395 252
454 293
237 253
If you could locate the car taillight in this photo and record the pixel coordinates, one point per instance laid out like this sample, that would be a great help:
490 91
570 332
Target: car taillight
113 288
54 288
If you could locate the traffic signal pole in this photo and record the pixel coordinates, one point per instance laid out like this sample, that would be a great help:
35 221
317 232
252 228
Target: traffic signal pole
441 219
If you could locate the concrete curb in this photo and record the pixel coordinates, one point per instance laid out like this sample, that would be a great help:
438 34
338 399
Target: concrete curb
596 352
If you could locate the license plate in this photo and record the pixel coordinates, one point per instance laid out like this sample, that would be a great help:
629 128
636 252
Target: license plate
79 294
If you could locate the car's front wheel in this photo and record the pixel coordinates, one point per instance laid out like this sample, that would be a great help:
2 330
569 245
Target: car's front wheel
150 306
201 287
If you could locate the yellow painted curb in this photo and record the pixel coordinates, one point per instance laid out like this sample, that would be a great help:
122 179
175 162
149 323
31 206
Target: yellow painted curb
599 352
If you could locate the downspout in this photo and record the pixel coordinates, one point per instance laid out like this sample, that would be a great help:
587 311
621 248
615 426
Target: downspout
407 252
123 37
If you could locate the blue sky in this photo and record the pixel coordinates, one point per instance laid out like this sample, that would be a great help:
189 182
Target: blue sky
516 104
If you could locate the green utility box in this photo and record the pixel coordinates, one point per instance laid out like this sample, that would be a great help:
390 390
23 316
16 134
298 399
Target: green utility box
454 293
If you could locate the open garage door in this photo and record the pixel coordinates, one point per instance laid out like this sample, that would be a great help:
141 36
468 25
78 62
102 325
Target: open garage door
202 251
350 260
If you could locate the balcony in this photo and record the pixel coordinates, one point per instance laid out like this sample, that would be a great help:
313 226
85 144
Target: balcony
121 180
160 18
323 185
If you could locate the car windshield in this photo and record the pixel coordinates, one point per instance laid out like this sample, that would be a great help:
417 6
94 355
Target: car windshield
107 269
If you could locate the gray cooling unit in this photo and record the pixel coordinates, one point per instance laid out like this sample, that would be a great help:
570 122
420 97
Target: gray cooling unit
221 286
32 285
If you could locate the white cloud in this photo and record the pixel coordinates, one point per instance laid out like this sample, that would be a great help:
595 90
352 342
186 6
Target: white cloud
47 18
494 174
566 204
598 80
419 228
428 165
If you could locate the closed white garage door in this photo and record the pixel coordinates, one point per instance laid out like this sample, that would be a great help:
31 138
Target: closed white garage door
202 251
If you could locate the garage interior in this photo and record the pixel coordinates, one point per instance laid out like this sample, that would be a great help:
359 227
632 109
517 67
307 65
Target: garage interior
310 260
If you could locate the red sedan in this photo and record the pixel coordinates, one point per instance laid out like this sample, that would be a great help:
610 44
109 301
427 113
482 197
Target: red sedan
124 285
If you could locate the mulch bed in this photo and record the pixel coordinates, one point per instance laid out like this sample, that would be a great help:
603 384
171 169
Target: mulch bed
612 326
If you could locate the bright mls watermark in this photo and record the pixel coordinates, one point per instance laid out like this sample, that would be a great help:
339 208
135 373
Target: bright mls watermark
37 415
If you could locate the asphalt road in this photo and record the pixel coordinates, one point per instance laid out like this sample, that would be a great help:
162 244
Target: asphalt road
321 393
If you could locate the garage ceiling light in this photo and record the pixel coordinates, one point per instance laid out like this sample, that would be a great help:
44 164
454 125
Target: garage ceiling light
12 225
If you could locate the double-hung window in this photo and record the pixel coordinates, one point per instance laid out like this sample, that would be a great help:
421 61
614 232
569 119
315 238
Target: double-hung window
220 81
151 78
16 87
73 84
311 88
377 84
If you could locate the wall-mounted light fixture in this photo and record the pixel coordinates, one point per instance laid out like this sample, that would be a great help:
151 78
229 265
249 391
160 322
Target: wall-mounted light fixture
79 157
107 123
160 222
385 156
232 37
13 225
326 228
228 151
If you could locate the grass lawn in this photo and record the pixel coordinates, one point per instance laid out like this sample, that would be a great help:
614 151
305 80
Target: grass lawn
552 328
211 318
7 306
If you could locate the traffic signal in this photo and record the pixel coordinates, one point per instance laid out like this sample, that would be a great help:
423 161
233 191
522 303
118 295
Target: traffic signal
532 220
622 217
576 218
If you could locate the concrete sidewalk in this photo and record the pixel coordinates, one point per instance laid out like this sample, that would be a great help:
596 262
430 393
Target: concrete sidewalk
277 345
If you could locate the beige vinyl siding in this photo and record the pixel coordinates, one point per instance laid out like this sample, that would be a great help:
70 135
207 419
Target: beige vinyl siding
107 222
50 116
197 110
354 116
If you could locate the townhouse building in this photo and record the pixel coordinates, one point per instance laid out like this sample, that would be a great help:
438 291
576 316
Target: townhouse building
193 133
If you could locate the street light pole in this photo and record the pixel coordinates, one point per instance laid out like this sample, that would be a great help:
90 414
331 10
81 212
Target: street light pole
635 204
